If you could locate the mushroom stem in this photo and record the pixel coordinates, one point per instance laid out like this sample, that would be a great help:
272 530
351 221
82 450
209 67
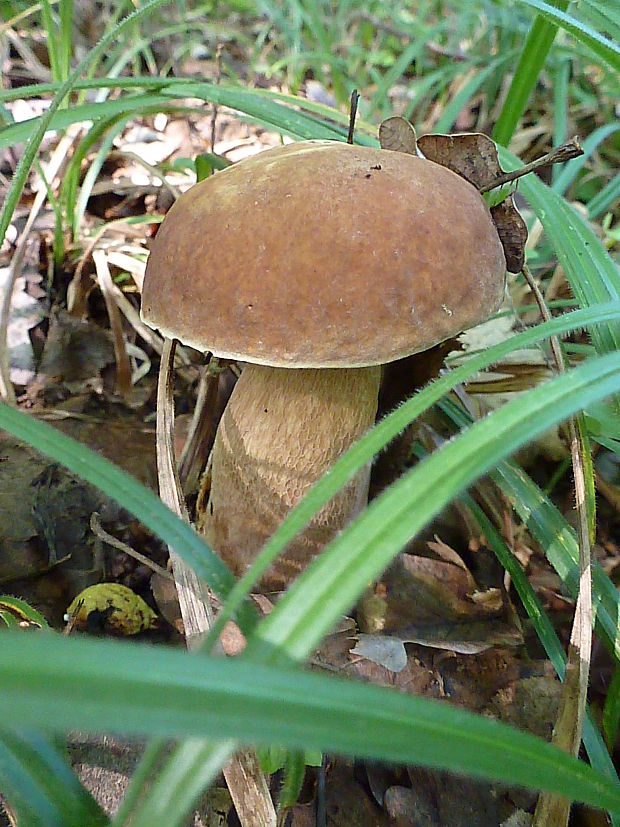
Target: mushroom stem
281 431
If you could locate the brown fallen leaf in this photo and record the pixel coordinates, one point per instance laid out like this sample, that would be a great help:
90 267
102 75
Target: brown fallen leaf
474 157
398 135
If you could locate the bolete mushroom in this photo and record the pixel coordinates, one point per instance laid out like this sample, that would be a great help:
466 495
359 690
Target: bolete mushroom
313 264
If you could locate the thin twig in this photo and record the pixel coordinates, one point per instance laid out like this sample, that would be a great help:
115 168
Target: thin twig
571 149
96 528
123 367
218 78
352 115
552 810
202 428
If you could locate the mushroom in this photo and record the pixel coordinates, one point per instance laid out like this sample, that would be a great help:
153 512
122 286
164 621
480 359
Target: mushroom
313 264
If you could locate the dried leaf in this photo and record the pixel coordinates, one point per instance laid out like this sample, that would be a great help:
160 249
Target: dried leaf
512 232
384 650
398 135
474 157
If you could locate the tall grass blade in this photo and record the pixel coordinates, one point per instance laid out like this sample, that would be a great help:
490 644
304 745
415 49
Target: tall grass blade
63 683
606 49
39 784
34 141
532 59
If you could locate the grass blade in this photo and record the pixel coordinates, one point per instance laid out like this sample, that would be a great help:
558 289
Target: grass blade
128 493
555 536
604 48
98 685
332 584
376 439
532 59
30 152
40 785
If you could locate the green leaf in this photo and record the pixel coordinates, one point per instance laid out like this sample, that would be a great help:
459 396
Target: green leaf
63 683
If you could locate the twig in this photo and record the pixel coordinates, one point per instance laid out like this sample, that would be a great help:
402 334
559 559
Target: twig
571 149
125 154
123 367
552 810
73 618
218 78
202 428
352 114
96 528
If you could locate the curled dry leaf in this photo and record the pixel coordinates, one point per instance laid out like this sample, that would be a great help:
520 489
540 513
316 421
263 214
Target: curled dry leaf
512 231
437 603
398 135
474 157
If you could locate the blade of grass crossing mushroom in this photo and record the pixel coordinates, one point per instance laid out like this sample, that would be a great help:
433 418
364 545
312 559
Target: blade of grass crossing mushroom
246 783
379 436
338 576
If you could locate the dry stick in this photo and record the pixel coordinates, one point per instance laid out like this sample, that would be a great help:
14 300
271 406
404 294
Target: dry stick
352 115
202 428
58 158
102 534
218 78
123 366
571 149
246 783
552 810
124 154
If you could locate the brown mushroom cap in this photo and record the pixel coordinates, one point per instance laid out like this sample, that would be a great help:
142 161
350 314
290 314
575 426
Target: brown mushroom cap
323 254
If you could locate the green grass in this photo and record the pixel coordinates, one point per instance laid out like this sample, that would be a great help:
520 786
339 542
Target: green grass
451 58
